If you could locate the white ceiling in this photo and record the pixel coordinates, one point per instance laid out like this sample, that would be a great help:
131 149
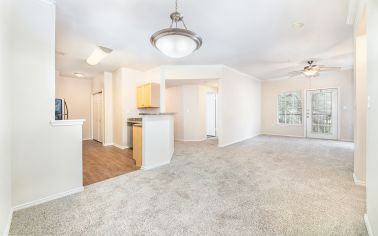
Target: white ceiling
253 36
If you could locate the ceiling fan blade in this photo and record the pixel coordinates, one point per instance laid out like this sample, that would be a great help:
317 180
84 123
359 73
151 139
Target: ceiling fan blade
295 76
298 72
329 68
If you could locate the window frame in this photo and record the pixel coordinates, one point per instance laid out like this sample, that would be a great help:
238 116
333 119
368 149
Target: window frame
278 108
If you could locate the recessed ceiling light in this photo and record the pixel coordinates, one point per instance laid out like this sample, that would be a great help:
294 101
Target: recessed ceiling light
98 55
297 25
79 75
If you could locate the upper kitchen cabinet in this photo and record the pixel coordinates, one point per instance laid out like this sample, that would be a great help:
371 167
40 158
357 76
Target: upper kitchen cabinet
148 95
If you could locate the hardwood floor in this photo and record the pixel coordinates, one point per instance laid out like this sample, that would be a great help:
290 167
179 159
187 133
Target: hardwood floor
101 163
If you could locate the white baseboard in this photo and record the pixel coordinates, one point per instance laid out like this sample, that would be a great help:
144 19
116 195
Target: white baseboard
368 226
238 141
282 135
48 198
302 136
154 166
346 140
120 146
87 139
7 227
191 140
358 182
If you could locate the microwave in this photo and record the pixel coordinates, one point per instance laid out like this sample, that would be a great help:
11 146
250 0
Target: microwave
61 110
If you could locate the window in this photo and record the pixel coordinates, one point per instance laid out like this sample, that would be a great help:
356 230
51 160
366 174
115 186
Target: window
290 108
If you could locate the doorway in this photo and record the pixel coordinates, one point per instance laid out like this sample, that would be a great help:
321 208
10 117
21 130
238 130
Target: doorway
97 127
211 114
322 113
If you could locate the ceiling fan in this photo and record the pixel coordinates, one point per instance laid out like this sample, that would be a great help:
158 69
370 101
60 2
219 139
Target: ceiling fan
312 70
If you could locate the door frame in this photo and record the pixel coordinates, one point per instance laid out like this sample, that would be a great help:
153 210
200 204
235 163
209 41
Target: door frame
338 110
102 114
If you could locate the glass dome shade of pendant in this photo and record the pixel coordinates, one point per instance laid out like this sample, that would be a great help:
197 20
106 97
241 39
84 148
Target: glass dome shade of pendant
176 46
175 42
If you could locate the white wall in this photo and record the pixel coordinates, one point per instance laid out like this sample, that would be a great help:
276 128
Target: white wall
272 88
5 120
117 108
194 113
239 113
124 82
46 160
193 72
239 99
360 88
77 94
175 103
98 84
372 118
189 104
108 108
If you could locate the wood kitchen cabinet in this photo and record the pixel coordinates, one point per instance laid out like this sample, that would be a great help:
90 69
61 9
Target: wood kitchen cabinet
137 145
148 95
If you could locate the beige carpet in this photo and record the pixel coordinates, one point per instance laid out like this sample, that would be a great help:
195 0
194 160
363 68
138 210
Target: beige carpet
263 186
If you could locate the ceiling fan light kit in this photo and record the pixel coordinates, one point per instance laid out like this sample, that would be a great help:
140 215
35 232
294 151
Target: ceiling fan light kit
312 70
176 42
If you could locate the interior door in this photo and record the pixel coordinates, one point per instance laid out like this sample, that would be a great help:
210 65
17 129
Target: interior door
97 117
211 114
322 107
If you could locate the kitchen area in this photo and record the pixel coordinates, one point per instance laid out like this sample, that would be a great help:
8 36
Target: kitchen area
152 133
124 129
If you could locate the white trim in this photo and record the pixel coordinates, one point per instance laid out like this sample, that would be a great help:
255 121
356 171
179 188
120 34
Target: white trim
338 102
55 123
154 166
346 140
87 139
191 140
102 114
241 73
368 225
120 146
297 136
8 225
283 135
238 141
277 109
358 182
107 144
48 198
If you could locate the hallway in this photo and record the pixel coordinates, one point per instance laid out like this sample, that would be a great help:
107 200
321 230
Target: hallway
101 163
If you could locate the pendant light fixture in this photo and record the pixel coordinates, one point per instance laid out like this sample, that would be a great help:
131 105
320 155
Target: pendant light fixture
176 42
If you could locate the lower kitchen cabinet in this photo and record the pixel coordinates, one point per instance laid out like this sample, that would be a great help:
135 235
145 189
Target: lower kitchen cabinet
137 145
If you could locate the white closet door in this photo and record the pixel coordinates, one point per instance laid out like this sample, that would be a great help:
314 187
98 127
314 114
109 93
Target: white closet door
97 117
